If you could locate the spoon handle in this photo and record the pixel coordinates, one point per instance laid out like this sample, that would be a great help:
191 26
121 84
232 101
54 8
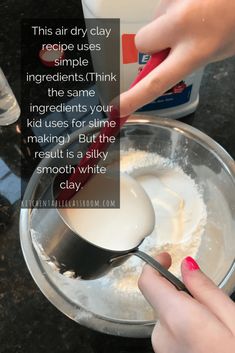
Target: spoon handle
162 270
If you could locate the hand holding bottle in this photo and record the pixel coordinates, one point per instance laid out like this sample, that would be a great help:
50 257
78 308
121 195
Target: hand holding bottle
198 32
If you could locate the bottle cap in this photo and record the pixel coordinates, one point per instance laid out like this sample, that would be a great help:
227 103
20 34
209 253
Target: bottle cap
48 57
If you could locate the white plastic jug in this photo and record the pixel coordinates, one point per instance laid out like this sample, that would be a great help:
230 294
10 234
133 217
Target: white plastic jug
179 101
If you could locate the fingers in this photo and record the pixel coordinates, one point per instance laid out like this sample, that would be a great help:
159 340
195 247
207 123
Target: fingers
160 33
162 340
158 291
207 293
173 69
156 36
165 259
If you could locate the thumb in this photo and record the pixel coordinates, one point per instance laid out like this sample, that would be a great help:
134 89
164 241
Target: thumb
158 291
207 293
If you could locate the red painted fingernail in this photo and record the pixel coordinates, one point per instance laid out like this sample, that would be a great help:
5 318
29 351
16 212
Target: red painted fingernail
191 264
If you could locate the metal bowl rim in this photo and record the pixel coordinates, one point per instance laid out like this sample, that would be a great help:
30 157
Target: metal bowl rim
128 328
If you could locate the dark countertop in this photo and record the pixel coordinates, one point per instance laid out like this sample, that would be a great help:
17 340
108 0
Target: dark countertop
28 322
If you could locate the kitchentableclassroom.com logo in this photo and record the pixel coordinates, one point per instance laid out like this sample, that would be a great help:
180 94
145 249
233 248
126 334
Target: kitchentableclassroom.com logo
69 204
130 54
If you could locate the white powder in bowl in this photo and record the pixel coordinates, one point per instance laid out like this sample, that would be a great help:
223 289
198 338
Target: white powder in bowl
180 214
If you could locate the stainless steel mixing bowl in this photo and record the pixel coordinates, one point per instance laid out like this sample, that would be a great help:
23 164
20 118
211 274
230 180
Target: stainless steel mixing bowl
104 304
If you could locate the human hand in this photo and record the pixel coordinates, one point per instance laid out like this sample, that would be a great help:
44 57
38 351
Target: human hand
198 32
202 324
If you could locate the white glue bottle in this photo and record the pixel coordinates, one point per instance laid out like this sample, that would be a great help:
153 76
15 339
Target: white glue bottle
176 103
